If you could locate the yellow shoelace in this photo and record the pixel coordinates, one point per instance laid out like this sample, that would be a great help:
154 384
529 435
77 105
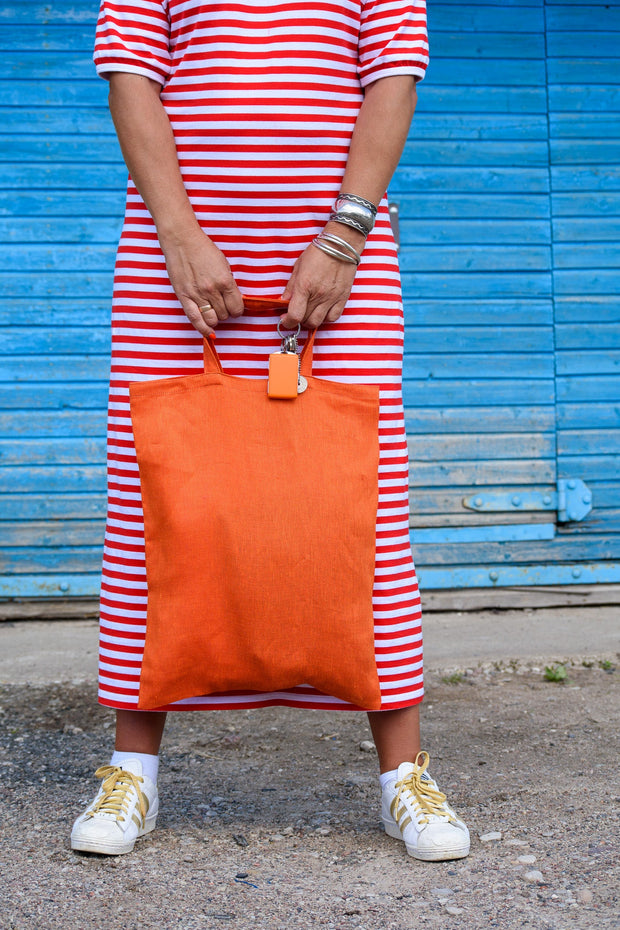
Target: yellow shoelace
117 783
424 795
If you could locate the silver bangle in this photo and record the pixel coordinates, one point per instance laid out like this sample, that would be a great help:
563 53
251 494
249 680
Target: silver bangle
335 253
345 211
349 221
360 201
337 241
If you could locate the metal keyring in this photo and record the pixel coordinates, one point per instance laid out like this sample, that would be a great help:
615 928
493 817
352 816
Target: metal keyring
288 332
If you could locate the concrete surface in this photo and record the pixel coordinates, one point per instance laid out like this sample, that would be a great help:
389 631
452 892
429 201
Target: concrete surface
40 651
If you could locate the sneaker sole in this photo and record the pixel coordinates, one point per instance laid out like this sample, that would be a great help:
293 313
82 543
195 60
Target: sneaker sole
427 855
112 849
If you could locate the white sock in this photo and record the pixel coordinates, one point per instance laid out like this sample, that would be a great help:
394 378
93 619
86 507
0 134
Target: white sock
150 764
386 777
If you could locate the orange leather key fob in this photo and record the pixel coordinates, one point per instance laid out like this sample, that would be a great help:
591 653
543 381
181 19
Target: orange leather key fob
283 375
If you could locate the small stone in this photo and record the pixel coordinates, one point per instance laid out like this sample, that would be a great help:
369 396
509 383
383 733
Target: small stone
275 838
585 896
533 876
288 831
491 837
528 859
548 833
323 831
367 746
454 910
517 843
442 892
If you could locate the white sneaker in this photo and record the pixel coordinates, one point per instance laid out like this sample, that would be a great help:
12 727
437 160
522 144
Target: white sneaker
124 809
415 810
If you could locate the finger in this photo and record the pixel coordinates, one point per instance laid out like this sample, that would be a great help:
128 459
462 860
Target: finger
208 314
203 322
317 316
233 301
335 313
296 313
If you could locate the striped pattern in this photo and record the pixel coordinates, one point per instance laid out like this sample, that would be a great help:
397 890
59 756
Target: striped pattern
262 103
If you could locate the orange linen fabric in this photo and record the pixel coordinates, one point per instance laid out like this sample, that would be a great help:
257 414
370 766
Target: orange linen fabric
260 518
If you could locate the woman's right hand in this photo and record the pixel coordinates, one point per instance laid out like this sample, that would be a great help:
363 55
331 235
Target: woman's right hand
200 275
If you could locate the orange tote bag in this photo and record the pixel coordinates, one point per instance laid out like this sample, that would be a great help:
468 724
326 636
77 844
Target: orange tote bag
260 521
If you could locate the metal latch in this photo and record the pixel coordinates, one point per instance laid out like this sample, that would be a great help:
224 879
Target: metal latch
572 499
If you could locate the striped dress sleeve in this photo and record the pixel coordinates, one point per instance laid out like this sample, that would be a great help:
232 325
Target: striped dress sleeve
133 37
393 39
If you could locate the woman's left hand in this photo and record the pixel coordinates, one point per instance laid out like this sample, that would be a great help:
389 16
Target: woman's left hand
320 285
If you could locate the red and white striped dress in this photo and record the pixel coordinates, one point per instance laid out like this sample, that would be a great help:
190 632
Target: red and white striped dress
262 98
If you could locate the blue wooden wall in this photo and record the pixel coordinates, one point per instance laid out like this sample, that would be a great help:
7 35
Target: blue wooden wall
509 201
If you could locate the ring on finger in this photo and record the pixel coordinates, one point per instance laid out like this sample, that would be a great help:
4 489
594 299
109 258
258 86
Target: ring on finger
206 307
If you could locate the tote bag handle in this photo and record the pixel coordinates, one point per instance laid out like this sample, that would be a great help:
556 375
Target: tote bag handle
213 364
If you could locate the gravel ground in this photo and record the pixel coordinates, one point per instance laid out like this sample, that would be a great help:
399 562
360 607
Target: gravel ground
270 818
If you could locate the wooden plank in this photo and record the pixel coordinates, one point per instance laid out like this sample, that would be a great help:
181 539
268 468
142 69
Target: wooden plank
28 368
39 396
586 255
585 229
512 532
599 203
594 548
426 393
456 180
479 473
481 286
428 501
468 448
51 533
82 177
445 232
45 257
486 127
21 424
574 70
600 520
53 120
498 576
597 442
584 125
589 98
436 258
76 13
476 17
593 362
54 93
581 19
599 44
471 72
457 312
504 45
53 507
587 309
56 312
23 340
479 365
584 178
62 229
59 585
46 609
482 420
68 284
580 281
64 203
16 561
444 204
511 598
43 38
44 64
593 336
602 415
590 152
464 518
54 479
440 99
53 451
85 148
591 388
451 339
590 467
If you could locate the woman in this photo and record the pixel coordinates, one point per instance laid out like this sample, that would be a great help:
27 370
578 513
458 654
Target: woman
249 131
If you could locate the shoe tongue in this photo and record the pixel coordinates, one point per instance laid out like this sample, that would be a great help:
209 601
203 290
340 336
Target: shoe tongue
405 768
131 765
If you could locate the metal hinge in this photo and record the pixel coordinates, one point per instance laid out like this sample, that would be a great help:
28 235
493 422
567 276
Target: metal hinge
572 499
